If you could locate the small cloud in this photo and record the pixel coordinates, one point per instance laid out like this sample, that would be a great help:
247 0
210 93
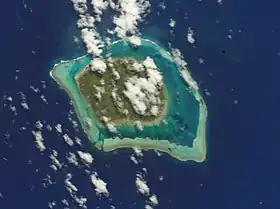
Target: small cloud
54 159
92 41
172 23
153 199
134 40
72 189
111 127
39 140
100 185
98 65
85 21
69 186
182 65
86 157
148 207
141 185
80 6
154 110
68 140
139 125
137 151
39 125
190 37
72 158
58 128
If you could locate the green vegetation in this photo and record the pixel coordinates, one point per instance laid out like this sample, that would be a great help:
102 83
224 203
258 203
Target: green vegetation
98 88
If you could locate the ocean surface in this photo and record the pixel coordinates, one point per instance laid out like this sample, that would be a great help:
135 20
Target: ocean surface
238 42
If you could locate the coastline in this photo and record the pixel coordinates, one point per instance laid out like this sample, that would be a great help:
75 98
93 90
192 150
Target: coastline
159 119
76 106
184 153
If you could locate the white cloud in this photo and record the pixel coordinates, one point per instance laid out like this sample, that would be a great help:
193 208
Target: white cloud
54 159
51 204
53 167
98 7
172 23
80 6
154 76
65 202
85 21
138 67
72 189
133 159
88 121
134 40
136 156
118 101
190 37
100 185
68 140
92 41
111 127
143 93
78 141
58 128
39 125
154 200
178 58
81 201
98 65
137 151
149 63
141 185
86 157
10 99
69 185
105 119
154 110
71 157
131 13
144 84
39 140
139 125
148 207
116 74
182 65
136 96
23 102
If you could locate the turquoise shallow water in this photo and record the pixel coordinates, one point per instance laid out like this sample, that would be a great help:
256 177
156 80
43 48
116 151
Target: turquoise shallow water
183 109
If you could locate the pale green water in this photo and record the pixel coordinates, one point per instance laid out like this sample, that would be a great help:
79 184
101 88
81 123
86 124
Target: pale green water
183 108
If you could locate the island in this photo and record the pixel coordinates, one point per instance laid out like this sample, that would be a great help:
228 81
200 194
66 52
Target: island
123 91
137 96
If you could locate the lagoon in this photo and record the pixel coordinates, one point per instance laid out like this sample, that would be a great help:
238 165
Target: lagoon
181 133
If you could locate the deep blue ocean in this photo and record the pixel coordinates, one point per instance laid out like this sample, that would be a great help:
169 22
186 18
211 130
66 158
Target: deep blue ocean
241 74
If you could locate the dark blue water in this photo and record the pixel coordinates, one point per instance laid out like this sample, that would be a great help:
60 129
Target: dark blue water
242 169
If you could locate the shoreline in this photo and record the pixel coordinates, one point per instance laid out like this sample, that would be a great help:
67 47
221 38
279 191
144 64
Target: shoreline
121 122
199 143
196 153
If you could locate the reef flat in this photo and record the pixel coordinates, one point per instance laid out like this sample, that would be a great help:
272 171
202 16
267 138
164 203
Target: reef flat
178 127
